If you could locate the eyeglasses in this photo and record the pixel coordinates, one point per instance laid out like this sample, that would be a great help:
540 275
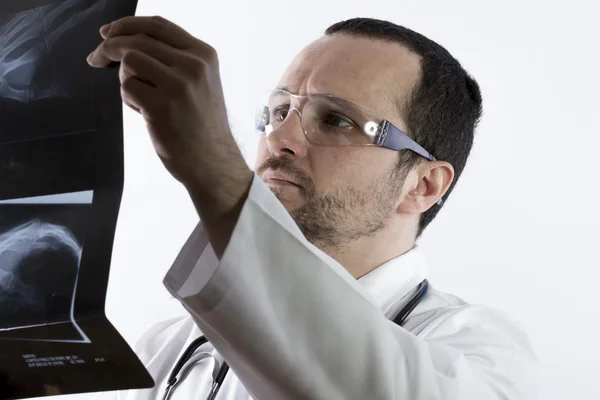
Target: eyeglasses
330 121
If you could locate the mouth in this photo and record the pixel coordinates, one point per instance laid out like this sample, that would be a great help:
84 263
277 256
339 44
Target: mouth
273 178
279 182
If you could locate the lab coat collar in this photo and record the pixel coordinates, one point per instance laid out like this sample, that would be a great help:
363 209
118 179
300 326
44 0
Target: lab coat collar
391 284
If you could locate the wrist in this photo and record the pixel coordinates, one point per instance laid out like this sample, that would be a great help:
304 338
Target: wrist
217 196
219 206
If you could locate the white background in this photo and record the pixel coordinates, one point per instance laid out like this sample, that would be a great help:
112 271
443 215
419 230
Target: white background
521 230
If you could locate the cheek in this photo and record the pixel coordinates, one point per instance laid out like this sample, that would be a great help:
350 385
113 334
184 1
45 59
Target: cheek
355 168
337 169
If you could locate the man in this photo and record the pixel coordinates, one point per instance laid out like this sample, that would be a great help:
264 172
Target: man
297 269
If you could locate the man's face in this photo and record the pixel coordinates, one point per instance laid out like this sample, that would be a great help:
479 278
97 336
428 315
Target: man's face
344 193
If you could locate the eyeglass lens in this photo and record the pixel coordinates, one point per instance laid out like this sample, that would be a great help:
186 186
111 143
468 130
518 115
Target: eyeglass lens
325 120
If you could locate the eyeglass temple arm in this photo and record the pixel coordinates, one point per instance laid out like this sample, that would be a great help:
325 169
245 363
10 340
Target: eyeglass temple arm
391 137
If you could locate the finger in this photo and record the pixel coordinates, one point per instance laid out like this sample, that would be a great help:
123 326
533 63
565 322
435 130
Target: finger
145 68
156 27
138 95
115 48
134 108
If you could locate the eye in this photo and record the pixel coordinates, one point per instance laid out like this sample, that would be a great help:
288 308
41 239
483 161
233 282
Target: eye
280 113
335 120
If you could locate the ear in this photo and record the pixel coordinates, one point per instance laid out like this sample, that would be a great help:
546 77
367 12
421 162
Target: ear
431 180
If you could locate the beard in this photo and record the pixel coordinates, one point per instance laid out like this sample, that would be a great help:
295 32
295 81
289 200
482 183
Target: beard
332 221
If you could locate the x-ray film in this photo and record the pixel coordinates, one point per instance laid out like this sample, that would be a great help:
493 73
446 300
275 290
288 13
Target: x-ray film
61 181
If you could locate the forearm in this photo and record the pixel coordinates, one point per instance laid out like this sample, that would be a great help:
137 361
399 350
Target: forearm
219 192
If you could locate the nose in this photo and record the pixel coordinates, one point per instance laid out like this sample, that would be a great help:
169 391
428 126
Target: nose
288 138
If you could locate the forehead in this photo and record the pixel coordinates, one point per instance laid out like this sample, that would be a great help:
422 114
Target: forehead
374 74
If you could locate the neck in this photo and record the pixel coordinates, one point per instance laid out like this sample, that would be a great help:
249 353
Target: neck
363 255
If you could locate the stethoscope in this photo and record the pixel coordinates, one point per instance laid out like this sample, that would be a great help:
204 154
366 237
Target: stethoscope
189 358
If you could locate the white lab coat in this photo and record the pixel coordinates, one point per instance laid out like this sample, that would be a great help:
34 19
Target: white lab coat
294 324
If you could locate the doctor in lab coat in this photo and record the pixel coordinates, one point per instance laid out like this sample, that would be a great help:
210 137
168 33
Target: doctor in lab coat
297 267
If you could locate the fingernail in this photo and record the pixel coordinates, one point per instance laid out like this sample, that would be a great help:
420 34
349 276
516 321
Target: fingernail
105 29
89 57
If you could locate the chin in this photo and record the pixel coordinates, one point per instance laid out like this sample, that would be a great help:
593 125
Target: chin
289 202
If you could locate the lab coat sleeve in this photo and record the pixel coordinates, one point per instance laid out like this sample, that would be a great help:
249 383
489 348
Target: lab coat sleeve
294 324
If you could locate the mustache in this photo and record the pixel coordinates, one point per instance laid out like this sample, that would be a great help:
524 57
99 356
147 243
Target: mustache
286 165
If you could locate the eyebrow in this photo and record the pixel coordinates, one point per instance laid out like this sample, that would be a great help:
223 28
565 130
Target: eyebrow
334 99
287 89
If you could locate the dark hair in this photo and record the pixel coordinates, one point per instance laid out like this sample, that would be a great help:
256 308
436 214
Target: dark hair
443 108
